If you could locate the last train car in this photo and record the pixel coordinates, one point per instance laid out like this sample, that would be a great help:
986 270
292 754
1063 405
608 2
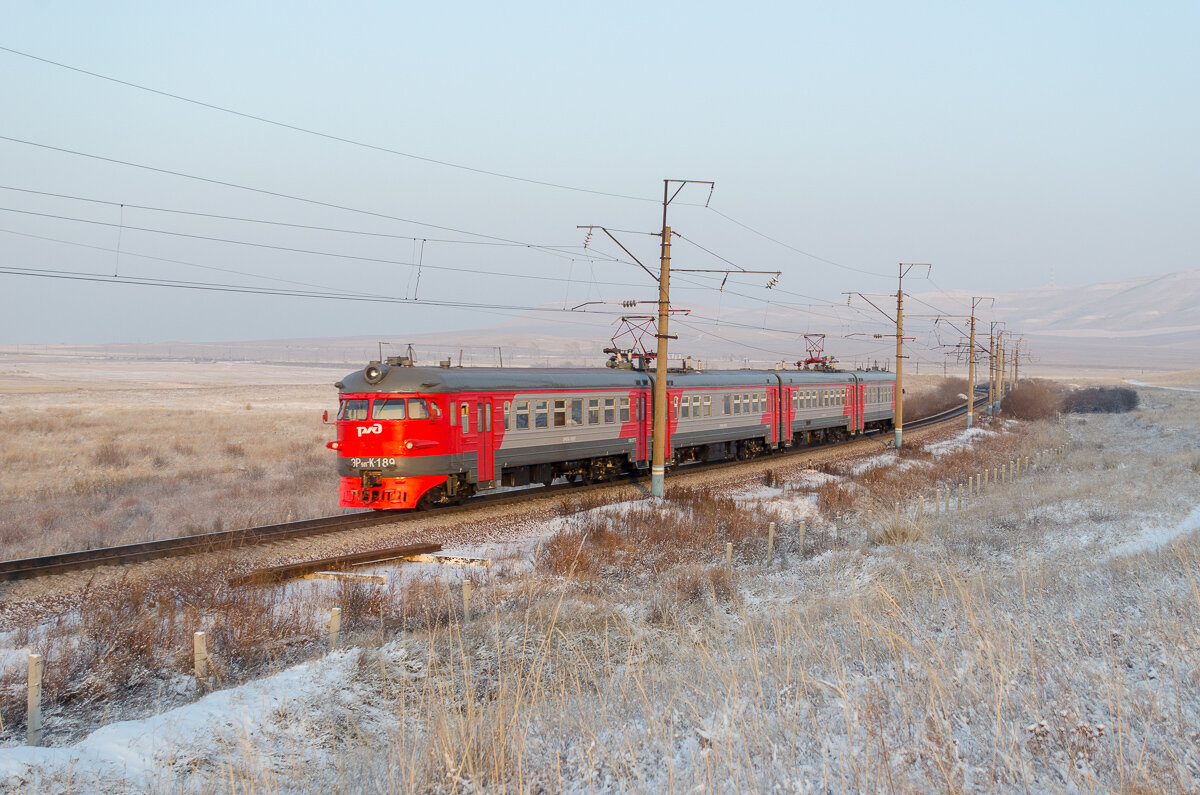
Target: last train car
421 436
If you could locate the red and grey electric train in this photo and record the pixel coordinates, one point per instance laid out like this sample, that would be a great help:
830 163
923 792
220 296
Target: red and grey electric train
412 437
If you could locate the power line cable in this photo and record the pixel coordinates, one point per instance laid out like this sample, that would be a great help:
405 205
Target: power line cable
326 136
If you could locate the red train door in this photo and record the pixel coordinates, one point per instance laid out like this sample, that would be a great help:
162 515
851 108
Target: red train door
487 456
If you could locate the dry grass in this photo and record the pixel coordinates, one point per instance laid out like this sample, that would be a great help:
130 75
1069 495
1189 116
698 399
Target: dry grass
89 470
993 648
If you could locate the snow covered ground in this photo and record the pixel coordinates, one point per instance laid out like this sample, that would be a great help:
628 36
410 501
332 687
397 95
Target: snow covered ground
1044 638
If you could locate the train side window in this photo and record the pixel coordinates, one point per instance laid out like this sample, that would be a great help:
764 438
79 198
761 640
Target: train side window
507 408
684 412
623 409
708 405
418 409
540 414
727 404
696 406
593 412
577 412
522 415
737 404
353 410
453 412
388 409
560 413
465 408
754 403
610 410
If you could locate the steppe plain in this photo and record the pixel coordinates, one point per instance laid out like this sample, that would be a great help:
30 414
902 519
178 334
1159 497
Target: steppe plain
1044 636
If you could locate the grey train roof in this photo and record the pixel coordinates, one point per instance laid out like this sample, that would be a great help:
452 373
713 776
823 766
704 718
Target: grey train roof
432 380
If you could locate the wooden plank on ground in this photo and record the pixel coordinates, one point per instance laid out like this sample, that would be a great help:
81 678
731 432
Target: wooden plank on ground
290 571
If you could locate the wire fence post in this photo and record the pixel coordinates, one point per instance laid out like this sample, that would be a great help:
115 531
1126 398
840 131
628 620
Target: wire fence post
335 627
33 722
200 655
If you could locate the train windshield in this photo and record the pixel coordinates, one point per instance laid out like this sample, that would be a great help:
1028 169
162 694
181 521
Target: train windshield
388 409
400 408
353 410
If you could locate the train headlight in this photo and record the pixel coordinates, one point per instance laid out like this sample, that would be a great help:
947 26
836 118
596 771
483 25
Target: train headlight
374 372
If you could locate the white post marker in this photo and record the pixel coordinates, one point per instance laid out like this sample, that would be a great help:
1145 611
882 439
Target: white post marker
466 600
335 626
802 529
200 654
770 542
729 556
33 722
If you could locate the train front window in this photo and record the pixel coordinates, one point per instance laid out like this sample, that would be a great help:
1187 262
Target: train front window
353 410
417 409
388 409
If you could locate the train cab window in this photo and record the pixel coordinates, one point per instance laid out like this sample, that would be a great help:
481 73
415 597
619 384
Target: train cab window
576 416
507 408
388 409
522 415
353 410
465 408
418 409
593 412
560 413
541 416
610 410
623 409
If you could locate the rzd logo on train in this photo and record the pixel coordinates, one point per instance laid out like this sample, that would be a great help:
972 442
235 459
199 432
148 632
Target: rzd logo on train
363 430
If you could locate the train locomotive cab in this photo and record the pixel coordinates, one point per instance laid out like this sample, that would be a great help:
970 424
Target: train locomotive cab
392 442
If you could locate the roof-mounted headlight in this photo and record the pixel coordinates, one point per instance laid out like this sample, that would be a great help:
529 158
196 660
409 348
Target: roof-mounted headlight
374 372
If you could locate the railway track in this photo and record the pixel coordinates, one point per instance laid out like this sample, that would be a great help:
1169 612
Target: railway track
207 543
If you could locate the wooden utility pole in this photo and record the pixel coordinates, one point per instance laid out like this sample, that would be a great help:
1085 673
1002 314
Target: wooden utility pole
658 466
971 373
905 267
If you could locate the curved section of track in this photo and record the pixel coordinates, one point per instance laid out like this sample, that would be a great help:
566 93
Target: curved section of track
49 565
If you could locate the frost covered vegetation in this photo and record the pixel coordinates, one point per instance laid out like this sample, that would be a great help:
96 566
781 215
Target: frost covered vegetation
1045 637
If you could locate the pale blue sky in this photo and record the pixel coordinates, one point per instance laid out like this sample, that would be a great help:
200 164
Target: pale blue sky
1001 142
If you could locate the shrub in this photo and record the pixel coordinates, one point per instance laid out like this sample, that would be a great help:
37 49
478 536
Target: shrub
1034 399
1101 400
942 397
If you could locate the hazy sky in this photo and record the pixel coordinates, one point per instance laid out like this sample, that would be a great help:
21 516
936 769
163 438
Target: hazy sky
1005 143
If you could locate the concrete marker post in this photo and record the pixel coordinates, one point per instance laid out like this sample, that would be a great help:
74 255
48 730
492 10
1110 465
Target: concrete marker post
33 721
770 542
335 627
960 497
200 655
466 596
802 530
729 556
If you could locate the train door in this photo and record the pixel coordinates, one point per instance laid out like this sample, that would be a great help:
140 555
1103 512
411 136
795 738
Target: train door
483 425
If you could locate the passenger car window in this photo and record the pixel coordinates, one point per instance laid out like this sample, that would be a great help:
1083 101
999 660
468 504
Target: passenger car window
610 409
560 413
540 414
522 415
593 412
624 409
577 412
